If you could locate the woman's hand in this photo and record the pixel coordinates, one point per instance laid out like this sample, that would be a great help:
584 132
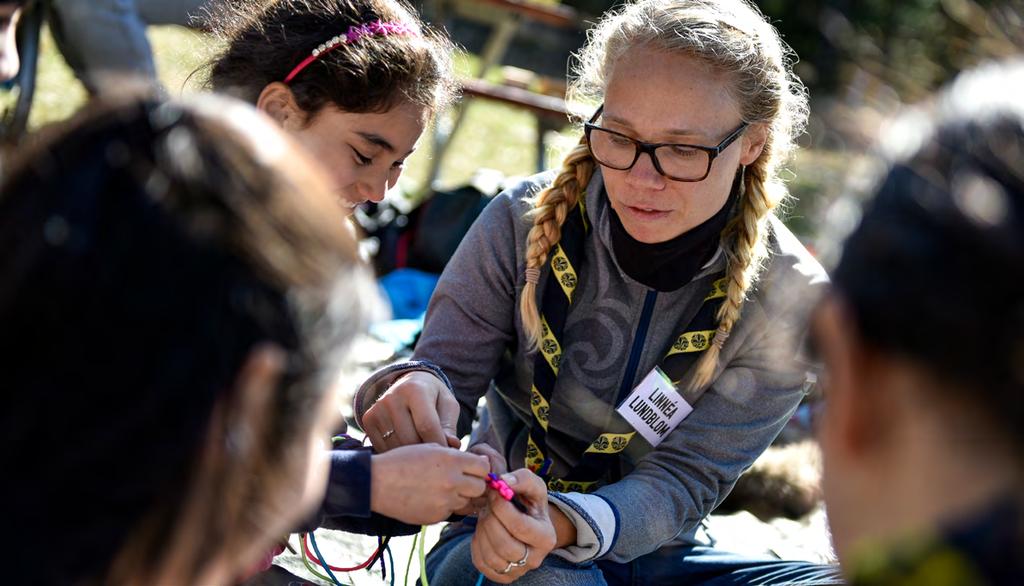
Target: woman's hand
425 483
417 408
498 466
507 543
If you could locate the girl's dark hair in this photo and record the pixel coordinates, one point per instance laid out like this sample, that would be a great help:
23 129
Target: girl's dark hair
144 253
265 40
935 271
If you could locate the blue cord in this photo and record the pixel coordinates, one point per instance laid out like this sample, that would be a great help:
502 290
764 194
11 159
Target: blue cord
323 562
391 559
480 580
383 562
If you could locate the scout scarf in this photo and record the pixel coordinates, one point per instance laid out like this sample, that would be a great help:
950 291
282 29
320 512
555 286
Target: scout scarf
566 262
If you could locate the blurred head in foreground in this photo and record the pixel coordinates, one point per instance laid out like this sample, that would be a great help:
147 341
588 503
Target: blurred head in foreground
923 433
176 295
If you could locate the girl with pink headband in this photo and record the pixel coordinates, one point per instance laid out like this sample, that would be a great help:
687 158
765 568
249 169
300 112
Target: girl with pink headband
356 81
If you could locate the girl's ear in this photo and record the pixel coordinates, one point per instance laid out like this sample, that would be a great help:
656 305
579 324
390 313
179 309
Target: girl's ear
254 390
277 101
861 411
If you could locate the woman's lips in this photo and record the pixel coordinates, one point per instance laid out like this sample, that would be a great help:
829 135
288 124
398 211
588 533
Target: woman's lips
645 214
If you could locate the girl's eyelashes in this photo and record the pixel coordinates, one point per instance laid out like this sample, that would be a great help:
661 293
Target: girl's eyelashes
361 158
364 161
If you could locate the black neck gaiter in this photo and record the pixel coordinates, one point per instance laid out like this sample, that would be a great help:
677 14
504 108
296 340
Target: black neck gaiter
667 266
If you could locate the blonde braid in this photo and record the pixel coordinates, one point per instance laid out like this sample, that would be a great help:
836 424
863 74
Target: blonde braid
549 211
746 251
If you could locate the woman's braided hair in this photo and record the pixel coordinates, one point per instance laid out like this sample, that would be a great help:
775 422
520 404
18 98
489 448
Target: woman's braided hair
732 36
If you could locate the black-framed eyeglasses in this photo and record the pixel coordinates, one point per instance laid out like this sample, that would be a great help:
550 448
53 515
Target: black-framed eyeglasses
678 162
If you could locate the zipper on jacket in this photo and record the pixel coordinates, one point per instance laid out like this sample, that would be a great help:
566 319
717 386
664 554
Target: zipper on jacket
638 345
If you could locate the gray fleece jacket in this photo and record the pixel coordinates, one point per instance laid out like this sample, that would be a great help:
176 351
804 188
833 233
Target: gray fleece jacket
473 331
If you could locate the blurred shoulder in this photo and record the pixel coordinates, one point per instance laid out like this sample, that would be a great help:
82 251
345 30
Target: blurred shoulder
792 279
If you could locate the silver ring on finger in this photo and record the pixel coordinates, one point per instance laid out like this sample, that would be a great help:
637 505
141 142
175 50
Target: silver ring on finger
508 568
387 434
522 562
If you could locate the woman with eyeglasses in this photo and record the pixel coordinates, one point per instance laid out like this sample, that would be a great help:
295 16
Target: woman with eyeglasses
633 319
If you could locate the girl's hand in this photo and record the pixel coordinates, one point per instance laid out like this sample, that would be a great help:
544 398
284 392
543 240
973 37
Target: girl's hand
507 543
425 483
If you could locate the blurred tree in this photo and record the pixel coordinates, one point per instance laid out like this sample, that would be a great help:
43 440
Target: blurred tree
913 46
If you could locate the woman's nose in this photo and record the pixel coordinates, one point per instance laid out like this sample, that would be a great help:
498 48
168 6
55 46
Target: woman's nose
644 174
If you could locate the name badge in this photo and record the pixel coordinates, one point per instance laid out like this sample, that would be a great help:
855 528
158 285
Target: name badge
655 407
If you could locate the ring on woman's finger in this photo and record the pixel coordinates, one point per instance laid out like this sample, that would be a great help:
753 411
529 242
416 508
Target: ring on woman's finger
522 562
387 434
508 568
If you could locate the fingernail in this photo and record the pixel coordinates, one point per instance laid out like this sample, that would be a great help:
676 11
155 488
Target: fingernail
509 479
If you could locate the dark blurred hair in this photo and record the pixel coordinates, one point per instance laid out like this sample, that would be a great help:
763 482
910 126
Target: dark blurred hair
265 40
935 271
144 253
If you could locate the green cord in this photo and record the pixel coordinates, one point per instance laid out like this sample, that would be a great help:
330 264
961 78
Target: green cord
423 557
309 566
408 565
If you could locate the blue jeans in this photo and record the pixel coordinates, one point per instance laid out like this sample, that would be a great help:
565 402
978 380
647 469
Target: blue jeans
450 563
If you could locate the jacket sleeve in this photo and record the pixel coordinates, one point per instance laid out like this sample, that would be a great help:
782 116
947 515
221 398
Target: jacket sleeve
676 485
470 319
346 503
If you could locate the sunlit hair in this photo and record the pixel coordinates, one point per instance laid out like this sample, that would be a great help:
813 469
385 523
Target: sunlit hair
264 40
146 251
733 37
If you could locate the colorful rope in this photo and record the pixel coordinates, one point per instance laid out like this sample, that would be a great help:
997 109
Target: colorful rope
323 562
412 552
423 557
309 566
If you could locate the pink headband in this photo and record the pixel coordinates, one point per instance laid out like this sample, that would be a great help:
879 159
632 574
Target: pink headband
354 33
